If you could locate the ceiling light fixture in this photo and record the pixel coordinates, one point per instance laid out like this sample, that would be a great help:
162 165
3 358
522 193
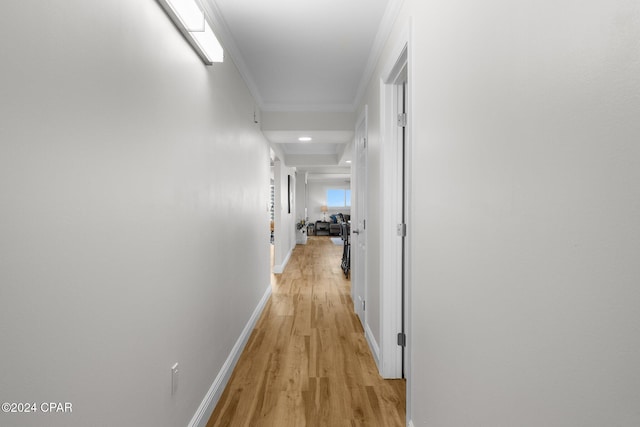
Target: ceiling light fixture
304 139
190 20
347 161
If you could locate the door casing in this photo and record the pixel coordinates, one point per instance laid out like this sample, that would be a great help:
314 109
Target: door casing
358 227
396 188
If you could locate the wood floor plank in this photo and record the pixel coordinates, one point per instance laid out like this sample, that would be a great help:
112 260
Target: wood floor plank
307 362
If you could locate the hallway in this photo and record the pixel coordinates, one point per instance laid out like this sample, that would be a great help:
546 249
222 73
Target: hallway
307 362
135 201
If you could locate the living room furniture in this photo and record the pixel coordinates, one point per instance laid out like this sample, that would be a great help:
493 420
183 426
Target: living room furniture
324 209
321 228
301 236
334 229
336 221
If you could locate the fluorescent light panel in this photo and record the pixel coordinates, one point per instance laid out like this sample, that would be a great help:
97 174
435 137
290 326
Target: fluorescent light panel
208 44
188 13
190 20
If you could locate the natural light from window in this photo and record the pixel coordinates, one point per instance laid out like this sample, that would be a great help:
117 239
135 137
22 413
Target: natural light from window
338 198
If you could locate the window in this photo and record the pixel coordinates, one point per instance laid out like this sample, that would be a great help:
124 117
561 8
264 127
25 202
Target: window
338 198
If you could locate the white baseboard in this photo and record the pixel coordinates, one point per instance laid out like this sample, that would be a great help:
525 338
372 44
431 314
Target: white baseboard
212 397
279 269
373 345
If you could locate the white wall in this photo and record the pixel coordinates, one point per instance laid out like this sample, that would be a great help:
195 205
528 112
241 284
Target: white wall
133 187
284 232
300 196
525 294
318 197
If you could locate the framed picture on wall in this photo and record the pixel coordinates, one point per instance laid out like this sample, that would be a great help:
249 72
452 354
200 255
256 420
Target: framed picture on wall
289 195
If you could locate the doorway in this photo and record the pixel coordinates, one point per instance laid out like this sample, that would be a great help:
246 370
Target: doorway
396 221
359 220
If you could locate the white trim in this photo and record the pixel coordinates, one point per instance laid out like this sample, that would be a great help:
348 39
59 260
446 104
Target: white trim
373 344
390 366
410 424
400 53
279 269
384 30
391 246
221 30
411 217
358 213
208 404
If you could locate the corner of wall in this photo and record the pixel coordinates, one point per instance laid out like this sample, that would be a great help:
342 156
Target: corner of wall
202 415
279 269
373 345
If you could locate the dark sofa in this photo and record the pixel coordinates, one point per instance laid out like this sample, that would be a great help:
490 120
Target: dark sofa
335 221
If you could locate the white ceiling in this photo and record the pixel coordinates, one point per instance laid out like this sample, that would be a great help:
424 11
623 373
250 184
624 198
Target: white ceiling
327 148
305 56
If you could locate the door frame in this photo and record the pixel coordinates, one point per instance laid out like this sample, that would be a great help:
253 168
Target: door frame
359 270
394 319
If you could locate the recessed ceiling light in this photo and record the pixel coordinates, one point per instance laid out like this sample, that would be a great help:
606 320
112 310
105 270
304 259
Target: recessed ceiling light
347 161
304 139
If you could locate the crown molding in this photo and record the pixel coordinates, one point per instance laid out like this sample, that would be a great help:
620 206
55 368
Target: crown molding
221 29
384 30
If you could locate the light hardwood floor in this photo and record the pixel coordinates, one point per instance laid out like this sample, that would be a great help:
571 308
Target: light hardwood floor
307 362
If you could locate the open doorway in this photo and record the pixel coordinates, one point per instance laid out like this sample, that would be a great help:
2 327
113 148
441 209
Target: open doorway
271 211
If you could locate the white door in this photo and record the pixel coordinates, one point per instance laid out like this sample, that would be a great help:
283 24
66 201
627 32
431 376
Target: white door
404 208
359 223
395 248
